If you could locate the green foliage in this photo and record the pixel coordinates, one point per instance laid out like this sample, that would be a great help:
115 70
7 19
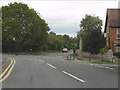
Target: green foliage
55 42
103 50
67 42
92 37
58 42
117 54
96 41
91 22
22 28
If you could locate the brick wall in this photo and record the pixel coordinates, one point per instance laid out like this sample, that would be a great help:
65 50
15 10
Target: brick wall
112 38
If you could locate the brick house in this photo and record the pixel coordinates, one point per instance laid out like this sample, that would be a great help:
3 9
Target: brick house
112 29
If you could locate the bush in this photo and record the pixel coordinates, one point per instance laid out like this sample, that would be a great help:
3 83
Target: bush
103 50
117 54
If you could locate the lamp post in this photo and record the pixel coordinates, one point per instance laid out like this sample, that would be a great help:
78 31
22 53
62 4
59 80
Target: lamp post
119 4
80 45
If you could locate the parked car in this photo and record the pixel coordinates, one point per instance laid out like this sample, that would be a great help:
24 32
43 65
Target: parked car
65 50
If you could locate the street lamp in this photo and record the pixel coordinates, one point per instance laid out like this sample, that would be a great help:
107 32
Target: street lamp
119 4
80 44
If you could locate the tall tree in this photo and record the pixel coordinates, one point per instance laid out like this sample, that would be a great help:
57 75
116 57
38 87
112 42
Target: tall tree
55 42
91 23
66 41
22 28
93 38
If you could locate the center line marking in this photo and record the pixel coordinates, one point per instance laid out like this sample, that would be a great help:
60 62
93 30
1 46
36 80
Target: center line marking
51 66
73 76
41 60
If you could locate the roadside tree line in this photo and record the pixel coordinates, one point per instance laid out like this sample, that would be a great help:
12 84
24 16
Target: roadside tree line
23 30
58 42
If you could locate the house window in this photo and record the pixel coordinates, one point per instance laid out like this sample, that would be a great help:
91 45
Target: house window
118 33
118 49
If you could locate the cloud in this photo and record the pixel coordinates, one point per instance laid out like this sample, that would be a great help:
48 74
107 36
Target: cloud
65 16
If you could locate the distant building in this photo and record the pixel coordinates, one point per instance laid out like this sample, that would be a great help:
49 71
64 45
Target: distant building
112 29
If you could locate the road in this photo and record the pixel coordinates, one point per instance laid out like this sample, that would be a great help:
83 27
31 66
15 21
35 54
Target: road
52 71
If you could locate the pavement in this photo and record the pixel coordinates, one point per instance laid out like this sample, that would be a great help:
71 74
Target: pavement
52 71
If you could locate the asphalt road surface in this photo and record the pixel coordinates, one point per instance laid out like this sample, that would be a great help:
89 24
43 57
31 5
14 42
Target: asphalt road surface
52 71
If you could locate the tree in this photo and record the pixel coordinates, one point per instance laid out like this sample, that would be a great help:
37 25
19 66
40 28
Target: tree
67 43
22 28
93 39
97 41
58 42
55 42
91 23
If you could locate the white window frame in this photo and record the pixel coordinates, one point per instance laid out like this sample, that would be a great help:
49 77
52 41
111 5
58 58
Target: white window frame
117 48
117 33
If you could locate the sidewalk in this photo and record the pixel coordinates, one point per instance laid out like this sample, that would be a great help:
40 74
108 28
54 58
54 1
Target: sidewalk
109 65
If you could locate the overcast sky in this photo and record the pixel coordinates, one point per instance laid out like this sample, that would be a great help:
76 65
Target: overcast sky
63 17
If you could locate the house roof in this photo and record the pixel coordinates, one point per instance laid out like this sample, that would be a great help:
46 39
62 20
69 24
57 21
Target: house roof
113 18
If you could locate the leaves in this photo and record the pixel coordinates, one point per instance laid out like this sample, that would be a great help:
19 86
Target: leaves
91 22
25 25
92 36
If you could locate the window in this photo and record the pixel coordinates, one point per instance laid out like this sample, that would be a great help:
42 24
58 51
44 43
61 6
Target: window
118 33
118 49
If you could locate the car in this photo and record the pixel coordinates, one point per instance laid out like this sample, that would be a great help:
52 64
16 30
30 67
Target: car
64 50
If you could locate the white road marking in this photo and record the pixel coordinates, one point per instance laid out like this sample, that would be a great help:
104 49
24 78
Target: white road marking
106 67
115 65
51 66
101 66
92 64
109 68
112 68
73 76
41 60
